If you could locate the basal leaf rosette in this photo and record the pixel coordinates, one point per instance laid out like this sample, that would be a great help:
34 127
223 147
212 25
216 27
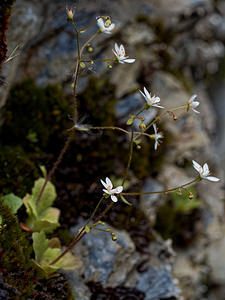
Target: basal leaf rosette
41 215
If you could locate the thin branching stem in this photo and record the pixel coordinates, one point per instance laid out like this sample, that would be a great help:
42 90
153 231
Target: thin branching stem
164 191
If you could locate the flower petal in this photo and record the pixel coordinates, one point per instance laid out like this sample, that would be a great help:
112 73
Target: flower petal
148 95
117 47
205 169
143 95
117 190
194 110
111 27
155 129
156 105
114 198
197 166
211 178
103 183
100 23
192 98
122 50
129 60
109 183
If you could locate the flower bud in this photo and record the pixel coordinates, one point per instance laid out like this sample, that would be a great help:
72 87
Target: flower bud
142 126
191 196
90 49
69 15
114 238
109 66
82 64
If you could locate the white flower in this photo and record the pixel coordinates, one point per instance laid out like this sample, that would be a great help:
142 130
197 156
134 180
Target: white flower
204 171
151 101
109 189
157 136
193 104
105 26
121 55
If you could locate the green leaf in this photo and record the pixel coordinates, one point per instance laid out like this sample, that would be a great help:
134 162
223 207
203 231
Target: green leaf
124 200
13 202
43 170
40 244
47 197
87 229
47 221
0 221
30 205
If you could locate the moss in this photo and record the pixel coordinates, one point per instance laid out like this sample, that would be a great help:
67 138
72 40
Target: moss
98 101
34 117
34 122
17 171
16 252
22 279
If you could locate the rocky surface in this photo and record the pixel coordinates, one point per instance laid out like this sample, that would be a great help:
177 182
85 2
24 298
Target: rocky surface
178 50
118 263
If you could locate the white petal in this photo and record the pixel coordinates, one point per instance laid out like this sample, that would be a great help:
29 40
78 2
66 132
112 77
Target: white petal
109 183
122 50
121 61
111 27
117 190
205 169
147 93
114 198
107 192
114 52
156 105
117 47
129 60
155 129
211 178
194 110
100 23
195 103
143 94
104 184
197 166
156 99
192 98
156 145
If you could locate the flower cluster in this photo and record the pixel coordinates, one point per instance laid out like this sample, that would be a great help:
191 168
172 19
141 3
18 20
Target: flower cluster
151 101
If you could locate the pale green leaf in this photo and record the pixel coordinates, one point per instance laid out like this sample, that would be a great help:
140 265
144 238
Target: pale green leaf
30 205
13 202
124 200
47 197
40 244
43 170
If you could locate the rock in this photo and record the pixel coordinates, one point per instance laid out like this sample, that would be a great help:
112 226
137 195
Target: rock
116 264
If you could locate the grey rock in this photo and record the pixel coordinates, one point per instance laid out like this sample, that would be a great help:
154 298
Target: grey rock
115 263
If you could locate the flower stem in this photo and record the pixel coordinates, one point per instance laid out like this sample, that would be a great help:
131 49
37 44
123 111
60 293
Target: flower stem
165 191
160 117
